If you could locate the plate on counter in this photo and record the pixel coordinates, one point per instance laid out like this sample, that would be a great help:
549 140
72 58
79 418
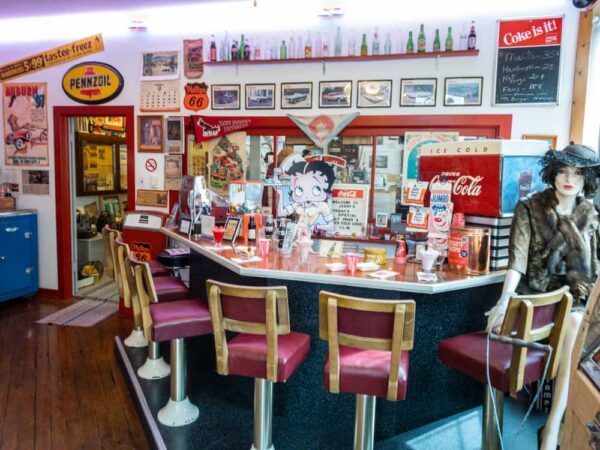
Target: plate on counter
335 267
367 266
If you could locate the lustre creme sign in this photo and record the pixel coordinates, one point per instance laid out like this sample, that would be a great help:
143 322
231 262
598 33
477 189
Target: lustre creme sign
92 83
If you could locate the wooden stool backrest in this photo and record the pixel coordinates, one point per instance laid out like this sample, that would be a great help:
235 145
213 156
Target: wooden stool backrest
535 318
366 324
248 309
112 264
146 292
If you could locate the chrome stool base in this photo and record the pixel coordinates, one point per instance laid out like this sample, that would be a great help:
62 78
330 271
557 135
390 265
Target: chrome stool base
364 422
263 415
136 339
155 366
490 438
177 414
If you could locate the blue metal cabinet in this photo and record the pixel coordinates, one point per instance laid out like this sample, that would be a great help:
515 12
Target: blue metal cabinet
18 254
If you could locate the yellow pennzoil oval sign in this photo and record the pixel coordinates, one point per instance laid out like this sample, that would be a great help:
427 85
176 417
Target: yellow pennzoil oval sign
92 83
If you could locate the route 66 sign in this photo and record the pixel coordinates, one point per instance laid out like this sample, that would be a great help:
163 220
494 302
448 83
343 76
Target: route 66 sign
196 98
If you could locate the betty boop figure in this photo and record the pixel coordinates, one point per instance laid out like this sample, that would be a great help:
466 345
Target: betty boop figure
310 187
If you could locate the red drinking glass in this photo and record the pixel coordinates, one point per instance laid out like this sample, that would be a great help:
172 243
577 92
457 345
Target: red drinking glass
218 233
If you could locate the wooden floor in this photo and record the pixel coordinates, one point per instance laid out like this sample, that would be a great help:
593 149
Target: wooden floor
60 387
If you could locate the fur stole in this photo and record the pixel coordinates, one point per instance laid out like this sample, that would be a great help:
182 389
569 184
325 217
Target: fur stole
566 238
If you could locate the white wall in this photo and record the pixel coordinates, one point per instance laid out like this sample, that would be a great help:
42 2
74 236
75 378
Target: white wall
124 54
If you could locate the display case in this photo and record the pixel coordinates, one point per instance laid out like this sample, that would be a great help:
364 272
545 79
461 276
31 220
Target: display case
245 196
18 254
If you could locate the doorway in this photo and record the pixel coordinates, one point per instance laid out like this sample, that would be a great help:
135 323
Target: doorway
65 124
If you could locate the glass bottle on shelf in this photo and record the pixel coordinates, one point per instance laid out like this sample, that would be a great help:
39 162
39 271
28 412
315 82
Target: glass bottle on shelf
292 48
436 41
247 50
463 36
252 229
318 50
283 50
234 50
269 227
364 49
472 39
387 47
223 51
400 47
326 52
227 55
375 43
337 51
308 47
299 47
410 45
257 50
421 42
213 48
351 44
449 41
241 49
280 233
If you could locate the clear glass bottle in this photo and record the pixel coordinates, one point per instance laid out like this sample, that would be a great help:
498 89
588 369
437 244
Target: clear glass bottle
337 51
472 39
227 55
351 44
274 52
257 50
464 33
308 47
299 47
364 48
421 40
400 46
292 48
325 44
387 48
375 43
449 41
410 45
318 49
436 41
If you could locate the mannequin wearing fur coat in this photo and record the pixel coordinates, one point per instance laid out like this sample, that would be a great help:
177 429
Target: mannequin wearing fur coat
553 242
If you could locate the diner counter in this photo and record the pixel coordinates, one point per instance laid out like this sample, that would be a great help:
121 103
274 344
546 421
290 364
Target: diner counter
275 266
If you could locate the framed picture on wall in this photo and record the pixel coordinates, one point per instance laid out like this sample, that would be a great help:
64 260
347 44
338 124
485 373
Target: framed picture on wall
335 94
260 96
160 65
296 95
374 94
174 135
225 96
150 134
549 138
418 91
463 91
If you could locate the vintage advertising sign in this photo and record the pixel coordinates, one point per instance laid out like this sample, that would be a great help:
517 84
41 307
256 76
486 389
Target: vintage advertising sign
193 63
210 127
196 97
528 61
350 207
53 57
92 83
25 124
227 161
488 176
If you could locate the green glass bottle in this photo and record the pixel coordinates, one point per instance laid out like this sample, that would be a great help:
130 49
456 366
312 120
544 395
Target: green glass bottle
283 51
421 40
241 49
410 45
449 40
364 49
436 41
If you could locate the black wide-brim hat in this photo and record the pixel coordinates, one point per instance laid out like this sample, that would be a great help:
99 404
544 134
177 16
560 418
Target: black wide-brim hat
574 155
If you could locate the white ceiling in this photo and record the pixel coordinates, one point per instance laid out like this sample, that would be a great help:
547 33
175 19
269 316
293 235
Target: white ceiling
28 8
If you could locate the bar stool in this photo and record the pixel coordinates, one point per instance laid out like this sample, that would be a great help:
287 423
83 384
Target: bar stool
265 349
515 356
112 267
367 342
174 262
172 321
167 288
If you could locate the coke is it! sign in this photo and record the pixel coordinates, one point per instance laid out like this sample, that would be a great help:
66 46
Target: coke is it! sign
530 33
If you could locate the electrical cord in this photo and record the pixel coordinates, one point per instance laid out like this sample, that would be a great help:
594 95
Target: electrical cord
521 343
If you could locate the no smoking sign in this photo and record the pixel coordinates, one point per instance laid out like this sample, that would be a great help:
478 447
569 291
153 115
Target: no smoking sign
151 165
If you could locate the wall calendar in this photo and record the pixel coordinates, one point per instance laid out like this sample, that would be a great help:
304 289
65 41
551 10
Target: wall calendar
159 96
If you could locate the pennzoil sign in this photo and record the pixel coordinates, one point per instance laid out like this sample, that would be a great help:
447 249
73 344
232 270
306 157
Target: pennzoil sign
92 83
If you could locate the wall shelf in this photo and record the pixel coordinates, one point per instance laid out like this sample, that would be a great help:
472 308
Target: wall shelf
457 53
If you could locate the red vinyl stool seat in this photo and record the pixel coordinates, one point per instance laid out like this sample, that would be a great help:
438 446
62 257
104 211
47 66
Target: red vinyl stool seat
369 342
528 318
170 288
179 319
265 349
158 269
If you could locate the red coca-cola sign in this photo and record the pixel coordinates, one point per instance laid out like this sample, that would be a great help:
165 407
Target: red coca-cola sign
348 193
475 180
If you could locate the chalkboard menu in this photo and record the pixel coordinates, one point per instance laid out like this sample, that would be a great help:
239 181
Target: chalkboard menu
528 61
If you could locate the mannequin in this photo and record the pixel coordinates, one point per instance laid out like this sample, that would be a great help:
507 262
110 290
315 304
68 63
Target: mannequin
553 242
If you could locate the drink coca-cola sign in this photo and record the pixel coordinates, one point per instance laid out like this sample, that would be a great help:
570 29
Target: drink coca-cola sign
488 176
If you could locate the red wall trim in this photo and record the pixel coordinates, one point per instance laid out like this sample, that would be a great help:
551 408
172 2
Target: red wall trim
64 237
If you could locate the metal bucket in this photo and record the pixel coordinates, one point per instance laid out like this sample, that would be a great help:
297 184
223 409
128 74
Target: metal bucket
469 250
